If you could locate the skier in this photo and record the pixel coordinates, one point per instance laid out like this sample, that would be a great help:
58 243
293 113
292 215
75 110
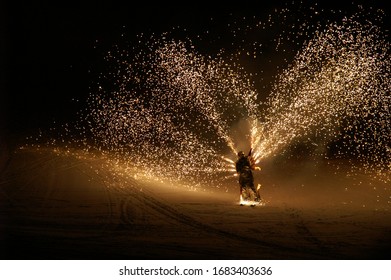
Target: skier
244 167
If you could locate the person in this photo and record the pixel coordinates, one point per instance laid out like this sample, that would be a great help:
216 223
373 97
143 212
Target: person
244 167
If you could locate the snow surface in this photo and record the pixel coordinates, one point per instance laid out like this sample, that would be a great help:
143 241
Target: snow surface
59 206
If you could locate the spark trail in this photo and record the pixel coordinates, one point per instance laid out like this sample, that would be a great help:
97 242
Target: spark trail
170 110
337 86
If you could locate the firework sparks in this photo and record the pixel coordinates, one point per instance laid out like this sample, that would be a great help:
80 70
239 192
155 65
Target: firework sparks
170 110
337 86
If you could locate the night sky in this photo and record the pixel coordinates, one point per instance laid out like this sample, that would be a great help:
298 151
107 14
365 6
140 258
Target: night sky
50 51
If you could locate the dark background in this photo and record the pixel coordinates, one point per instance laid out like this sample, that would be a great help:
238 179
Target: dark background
49 51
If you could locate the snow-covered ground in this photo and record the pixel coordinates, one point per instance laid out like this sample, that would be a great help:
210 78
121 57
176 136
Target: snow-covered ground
58 206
